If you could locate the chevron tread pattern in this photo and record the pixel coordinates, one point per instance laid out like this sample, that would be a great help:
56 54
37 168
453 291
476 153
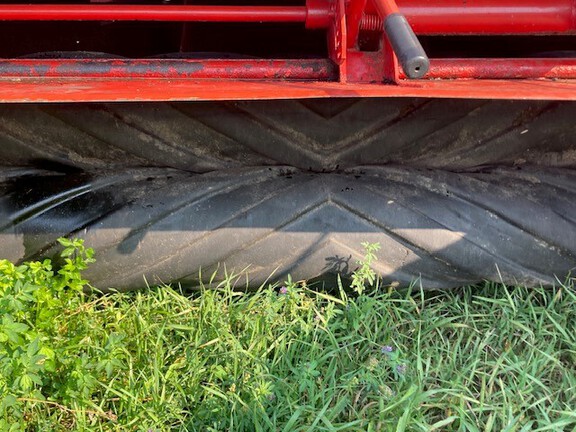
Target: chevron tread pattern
316 135
447 229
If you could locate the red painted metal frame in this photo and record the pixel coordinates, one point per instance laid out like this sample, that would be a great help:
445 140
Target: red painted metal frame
152 13
391 66
116 90
349 72
316 15
489 16
425 16
386 7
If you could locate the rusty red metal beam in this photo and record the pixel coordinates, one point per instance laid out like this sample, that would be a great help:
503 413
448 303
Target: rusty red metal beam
294 70
510 69
310 70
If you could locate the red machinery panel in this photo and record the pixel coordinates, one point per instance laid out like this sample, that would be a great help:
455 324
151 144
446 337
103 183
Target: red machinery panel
508 49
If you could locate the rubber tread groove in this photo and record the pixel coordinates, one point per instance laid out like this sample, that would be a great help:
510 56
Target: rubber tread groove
164 224
453 135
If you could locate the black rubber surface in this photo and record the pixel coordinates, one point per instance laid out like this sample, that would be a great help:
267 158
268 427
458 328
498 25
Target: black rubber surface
317 135
515 225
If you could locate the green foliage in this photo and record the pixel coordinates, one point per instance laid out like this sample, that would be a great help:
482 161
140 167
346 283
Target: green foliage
287 358
34 299
365 275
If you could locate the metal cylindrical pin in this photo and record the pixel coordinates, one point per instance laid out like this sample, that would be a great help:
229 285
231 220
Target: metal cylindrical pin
407 47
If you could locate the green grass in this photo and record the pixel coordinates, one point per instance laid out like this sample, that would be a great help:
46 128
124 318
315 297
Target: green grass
488 358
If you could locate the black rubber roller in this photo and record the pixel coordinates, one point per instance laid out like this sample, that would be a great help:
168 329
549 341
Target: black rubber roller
407 47
318 135
444 229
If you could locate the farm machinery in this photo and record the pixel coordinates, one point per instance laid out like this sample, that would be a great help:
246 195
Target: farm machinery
184 140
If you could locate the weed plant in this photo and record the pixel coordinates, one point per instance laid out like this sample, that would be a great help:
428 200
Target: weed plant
282 358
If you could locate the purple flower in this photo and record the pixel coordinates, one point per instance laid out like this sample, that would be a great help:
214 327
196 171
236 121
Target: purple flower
386 349
283 290
401 369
